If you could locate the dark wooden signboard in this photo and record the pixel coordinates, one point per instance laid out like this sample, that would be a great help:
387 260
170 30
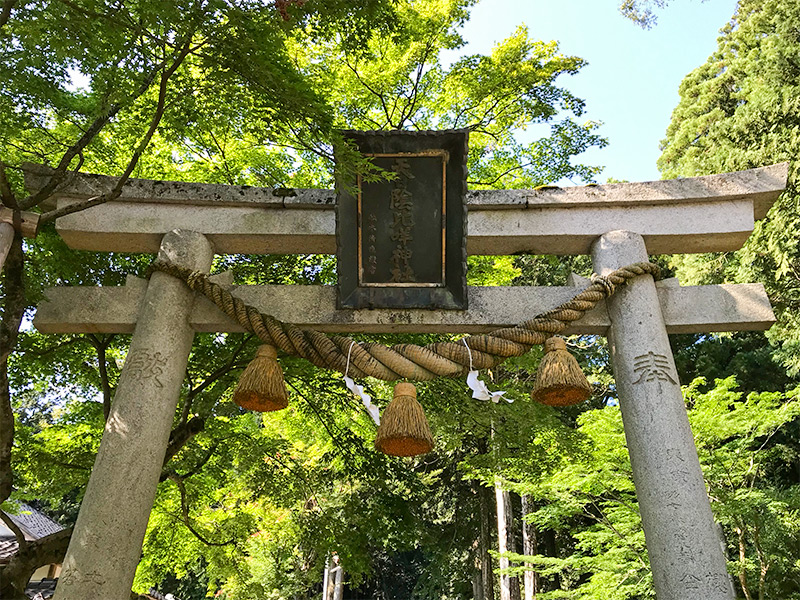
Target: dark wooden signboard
402 242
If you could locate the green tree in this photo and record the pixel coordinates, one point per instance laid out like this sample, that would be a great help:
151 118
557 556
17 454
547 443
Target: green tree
743 442
738 111
118 79
643 12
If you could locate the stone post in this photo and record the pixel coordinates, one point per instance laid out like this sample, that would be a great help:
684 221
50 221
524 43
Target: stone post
107 541
686 557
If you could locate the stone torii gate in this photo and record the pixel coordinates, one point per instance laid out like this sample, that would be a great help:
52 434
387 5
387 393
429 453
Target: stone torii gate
617 224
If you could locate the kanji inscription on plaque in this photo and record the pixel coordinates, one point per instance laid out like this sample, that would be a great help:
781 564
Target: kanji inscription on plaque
402 240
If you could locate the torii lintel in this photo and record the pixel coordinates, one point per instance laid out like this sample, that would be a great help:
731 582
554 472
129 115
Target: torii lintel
713 213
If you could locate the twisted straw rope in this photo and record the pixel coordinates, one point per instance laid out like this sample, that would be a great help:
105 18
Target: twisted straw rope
407 361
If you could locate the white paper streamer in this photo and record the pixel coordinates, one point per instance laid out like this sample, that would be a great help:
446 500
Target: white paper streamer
478 387
481 392
358 391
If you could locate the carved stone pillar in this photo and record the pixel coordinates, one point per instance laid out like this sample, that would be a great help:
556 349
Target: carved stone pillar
687 560
107 541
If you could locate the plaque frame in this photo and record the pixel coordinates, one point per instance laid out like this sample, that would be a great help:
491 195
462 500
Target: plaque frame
356 288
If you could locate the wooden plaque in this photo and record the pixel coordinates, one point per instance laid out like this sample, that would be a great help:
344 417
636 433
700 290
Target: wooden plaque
401 243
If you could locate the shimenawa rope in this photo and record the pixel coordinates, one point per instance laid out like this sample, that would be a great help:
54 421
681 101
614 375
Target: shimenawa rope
407 361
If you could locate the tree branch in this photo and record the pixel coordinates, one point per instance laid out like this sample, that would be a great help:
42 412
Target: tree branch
13 309
374 92
89 13
501 175
220 372
48 550
605 521
740 534
172 474
181 435
413 97
5 12
101 346
21 541
185 517
6 193
313 406
100 122
137 153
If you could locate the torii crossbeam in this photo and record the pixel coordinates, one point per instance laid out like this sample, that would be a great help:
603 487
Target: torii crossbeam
617 224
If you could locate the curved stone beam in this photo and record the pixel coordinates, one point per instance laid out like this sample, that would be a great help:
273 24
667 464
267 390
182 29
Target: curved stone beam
699 214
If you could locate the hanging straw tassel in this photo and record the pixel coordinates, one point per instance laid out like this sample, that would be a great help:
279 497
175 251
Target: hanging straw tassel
559 379
261 386
404 430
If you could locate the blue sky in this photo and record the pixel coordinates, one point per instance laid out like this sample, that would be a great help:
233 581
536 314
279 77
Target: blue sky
631 81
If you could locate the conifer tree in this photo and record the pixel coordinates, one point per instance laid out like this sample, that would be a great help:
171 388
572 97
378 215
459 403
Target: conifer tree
739 110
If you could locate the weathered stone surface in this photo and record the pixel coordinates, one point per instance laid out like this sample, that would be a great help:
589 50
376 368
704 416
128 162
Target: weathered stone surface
699 226
701 214
686 310
107 541
729 307
685 553
759 185
689 227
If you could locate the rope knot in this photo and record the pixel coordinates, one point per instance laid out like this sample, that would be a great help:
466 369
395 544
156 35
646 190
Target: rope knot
193 277
156 265
607 285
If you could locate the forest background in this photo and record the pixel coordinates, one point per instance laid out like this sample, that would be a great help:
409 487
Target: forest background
251 506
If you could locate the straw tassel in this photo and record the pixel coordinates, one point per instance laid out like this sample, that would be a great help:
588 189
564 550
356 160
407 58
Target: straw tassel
404 430
559 379
261 386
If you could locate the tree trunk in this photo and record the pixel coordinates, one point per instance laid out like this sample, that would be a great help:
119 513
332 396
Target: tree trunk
326 577
477 583
6 239
529 548
487 577
548 537
16 574
742 563
503 501
477 580
513 541
13 309
763 563
338 585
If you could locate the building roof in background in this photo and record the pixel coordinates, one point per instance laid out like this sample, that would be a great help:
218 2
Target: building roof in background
41 590
33 524
8 548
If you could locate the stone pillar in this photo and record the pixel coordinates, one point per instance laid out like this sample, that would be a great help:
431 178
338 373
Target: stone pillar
107 542
682 541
